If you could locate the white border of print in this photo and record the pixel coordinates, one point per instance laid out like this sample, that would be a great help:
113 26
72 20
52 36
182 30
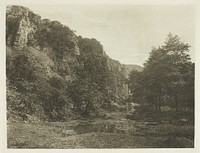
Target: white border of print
3 127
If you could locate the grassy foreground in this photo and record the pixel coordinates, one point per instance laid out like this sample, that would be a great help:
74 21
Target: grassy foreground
110 133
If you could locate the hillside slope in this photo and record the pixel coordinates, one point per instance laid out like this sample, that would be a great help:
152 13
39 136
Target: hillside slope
131 67
53 74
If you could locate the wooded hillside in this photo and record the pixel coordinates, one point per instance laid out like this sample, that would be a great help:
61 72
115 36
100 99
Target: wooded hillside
54 74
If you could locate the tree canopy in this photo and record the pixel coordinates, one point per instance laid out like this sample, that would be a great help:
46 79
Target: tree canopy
168 76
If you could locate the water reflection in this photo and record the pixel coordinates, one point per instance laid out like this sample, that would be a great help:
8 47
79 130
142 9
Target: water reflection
95 127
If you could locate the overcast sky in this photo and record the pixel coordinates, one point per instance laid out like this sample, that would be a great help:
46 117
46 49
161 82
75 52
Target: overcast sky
127 32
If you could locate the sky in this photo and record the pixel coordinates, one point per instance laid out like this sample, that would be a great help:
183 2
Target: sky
127 32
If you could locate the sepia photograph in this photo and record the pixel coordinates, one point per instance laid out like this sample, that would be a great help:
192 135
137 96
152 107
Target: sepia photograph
100 76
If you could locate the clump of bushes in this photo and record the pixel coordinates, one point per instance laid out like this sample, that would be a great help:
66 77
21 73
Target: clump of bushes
148 114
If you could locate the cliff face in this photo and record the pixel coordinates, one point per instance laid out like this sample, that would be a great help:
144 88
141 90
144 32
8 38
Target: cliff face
45 57
24 28
21 25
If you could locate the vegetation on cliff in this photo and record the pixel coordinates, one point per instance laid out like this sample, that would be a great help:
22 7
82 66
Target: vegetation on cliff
54 74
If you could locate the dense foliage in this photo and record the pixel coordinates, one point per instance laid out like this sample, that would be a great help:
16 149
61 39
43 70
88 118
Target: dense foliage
167 81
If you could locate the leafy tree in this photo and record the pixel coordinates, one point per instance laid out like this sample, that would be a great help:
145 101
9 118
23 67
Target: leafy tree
167 75
56 35
85 96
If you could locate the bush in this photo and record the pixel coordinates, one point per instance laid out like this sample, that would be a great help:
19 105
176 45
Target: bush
148 114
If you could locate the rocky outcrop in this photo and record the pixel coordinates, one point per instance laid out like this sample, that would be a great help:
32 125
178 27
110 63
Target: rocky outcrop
48 57
23 24
24 28
21 37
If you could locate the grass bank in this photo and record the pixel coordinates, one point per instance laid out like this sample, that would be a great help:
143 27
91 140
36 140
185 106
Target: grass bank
120 133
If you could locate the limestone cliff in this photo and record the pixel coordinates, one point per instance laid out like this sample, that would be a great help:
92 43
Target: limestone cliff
21 25
24 28
46 61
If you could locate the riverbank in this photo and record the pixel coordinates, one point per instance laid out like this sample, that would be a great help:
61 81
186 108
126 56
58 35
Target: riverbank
116 132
